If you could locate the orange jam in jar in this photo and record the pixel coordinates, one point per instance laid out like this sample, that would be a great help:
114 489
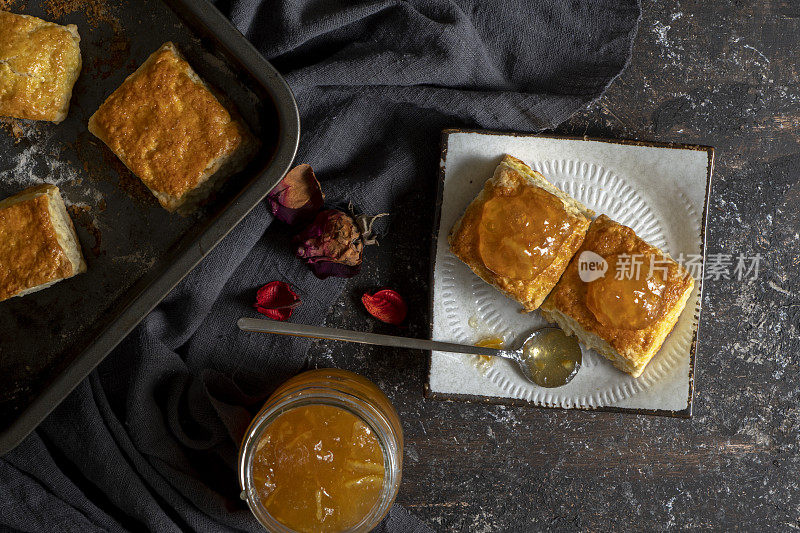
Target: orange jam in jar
520 233
323 454
633 302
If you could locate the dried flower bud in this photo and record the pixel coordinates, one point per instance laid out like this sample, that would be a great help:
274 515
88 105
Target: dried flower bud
331 245
364 224
276 300
297 197
386 305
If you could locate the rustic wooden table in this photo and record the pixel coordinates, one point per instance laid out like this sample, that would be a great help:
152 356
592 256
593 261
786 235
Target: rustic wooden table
723 74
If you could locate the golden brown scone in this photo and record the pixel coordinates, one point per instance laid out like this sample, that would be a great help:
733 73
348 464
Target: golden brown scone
165 124
520 232
39 64
624 319
38 244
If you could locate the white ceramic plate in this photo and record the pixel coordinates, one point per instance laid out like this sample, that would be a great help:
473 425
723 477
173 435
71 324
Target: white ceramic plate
658 190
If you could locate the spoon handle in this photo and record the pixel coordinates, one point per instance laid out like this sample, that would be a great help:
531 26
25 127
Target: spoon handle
317 332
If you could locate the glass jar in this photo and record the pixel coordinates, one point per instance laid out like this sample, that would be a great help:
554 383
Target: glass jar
352 394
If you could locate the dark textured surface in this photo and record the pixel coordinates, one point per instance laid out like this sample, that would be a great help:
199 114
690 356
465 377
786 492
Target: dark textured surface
705 73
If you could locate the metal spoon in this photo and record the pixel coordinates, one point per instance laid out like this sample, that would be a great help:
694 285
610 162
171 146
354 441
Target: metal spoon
522 355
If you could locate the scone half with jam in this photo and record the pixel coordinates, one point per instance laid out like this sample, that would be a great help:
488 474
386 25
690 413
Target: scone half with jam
38 244
626 313
39 64
520 233
165 124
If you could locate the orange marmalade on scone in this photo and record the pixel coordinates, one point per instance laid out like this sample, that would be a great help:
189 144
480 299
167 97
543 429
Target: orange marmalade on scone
324 454
627 301
520 231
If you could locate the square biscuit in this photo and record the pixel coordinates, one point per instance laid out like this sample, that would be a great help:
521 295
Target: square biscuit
38 244
169 129
39 64
524 252
627 312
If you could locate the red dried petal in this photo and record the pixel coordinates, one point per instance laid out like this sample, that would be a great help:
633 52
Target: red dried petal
276 300
332 238
386 305
297 197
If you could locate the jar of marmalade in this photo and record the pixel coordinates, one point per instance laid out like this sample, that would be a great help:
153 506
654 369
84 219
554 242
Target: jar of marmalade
324 454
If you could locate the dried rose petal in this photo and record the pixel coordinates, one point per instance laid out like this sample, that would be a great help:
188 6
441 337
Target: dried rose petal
326 269
386 305
331 245
276 300
297 197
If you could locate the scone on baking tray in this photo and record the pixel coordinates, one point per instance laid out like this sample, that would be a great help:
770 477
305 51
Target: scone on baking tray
38 244
520 232
39 64
168 128
626 313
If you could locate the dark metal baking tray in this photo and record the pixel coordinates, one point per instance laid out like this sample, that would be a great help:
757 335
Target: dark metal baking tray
136 251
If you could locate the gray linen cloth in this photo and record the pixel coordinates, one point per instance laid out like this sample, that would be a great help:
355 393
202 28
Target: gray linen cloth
149 440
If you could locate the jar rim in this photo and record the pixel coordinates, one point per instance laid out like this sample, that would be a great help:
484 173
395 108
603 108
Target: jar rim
315 394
